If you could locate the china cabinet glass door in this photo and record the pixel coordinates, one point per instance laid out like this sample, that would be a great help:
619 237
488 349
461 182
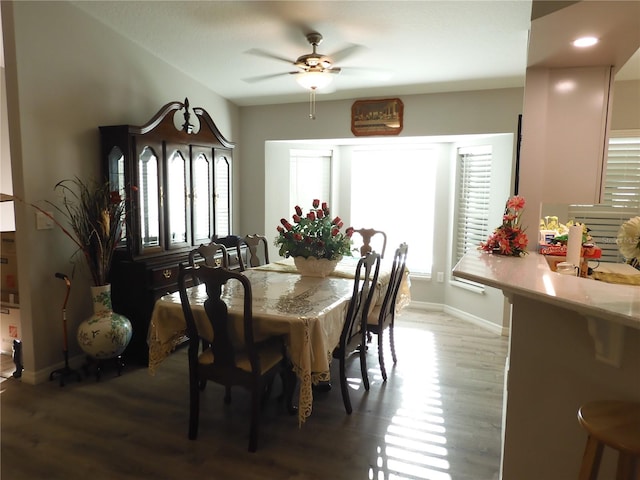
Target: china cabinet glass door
149 198
178 204
222 198
202 175
118 180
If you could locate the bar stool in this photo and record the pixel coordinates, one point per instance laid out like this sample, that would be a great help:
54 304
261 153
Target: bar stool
615 424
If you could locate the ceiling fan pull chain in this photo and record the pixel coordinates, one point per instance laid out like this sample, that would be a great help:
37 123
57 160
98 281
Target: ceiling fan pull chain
312 103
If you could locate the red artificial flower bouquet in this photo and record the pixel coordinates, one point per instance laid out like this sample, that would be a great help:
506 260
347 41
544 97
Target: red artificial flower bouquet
509 238
315 234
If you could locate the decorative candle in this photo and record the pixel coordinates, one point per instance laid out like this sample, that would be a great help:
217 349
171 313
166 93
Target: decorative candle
574 245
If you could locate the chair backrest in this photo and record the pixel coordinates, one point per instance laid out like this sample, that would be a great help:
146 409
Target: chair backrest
222 344
232 242
253 257
208 253
364 286
367 234
397 273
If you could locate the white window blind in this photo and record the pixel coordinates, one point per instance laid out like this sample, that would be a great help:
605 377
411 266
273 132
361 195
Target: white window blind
310 174
621 199
473 195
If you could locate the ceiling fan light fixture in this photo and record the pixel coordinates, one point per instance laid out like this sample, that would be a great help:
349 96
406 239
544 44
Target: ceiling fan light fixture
583 42
314 80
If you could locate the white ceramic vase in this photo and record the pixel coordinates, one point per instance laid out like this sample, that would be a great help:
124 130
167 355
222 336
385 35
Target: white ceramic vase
315 267
105 334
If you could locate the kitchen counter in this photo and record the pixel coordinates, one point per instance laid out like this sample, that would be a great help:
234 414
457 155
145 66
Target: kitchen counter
571 340
531 276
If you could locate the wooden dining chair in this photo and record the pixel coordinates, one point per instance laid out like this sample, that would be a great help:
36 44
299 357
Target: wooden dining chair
253 242
228 361
207 254
367 234
382 317
231 243
366 278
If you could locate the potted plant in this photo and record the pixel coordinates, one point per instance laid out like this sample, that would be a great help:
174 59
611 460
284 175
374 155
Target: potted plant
95 215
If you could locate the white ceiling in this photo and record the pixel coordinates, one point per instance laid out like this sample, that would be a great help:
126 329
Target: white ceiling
408 47
398 47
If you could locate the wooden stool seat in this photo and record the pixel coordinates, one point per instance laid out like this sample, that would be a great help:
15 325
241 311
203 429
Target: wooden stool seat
615 424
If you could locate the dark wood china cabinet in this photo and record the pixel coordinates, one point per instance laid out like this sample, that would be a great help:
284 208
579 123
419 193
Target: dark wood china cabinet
175 173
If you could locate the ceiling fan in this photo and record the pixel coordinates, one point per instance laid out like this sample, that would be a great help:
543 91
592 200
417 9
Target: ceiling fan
314 70
314 61
310 63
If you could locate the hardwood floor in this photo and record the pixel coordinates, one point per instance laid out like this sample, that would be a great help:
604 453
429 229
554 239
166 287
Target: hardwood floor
438 417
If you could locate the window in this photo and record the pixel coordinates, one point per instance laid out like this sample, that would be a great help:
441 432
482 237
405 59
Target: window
621 199
473 194
403 179
310 173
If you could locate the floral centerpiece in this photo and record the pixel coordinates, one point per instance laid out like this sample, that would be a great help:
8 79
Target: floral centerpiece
628 241
314 235
509 238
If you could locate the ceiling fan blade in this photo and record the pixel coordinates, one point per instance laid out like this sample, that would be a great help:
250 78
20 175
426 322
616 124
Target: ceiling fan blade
346 52
262 78
377 73
265 54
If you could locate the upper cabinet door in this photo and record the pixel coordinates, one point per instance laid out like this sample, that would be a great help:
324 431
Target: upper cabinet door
149 197
178 201
119 179
202 190
222 190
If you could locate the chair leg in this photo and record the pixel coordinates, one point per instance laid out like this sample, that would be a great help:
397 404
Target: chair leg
383 371
627 468
591 460
343 383
392 343
362 351
256 396
227 394
288 386
194 407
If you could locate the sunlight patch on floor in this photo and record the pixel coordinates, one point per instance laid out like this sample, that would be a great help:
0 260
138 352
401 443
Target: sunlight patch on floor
415 441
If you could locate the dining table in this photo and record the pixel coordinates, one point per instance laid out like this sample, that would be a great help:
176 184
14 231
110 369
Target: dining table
308 311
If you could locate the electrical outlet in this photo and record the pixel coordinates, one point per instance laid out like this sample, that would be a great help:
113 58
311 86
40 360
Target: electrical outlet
440 277
43 222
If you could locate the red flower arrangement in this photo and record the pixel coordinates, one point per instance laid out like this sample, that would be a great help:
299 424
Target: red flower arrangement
314 235
509 238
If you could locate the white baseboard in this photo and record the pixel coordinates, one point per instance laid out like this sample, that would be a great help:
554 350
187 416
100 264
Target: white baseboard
43 375
426 306
481 322
439 307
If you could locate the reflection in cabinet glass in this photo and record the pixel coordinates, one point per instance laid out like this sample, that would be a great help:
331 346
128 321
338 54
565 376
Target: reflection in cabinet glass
117 179
148 194
176 178
177 199
222 197
201 194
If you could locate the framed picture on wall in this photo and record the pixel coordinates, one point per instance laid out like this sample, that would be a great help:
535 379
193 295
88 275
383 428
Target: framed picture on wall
377 117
